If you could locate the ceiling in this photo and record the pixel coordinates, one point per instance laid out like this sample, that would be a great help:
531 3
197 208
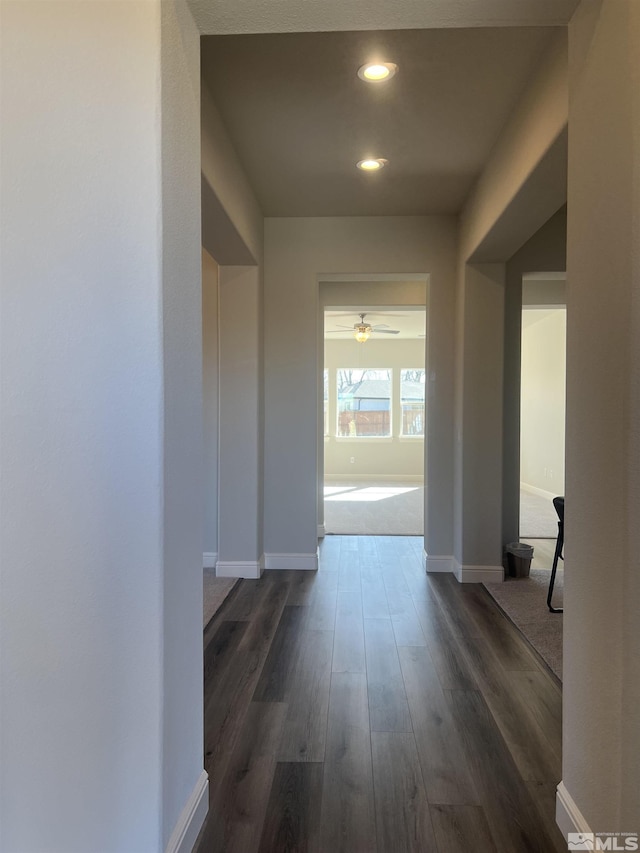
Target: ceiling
300 118
410 323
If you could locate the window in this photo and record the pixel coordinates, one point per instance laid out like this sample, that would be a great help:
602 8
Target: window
364 402
412 383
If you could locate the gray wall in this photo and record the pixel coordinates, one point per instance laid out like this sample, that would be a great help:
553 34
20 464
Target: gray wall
601 724
240 519
101 680
210 390
545 251
232 233
299 253
481 421
521 186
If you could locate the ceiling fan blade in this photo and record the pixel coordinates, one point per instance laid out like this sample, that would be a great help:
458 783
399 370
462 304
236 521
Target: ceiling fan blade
386 331
338 331
380 326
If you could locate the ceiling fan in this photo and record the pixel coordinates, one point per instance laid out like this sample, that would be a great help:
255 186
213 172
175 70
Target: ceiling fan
362 330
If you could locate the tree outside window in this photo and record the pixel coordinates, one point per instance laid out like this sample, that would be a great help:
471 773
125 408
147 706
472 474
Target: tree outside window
412 401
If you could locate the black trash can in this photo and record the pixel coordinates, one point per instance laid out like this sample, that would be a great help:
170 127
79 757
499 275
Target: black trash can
519 556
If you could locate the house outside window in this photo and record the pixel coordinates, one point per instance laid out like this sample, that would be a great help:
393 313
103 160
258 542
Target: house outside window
364 402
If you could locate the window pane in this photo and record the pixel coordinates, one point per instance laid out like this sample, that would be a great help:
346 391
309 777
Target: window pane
364 402
412 383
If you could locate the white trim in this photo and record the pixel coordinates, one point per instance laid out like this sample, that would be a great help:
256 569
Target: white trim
191 819
437 564
239 569
534 490
322 531
478 574
376 276
307 562
209 559
568 816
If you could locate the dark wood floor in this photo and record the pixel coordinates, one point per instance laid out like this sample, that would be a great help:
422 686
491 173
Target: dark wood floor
370 707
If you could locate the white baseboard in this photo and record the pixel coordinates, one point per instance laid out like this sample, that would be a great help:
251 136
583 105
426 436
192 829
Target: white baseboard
209 559
191 819
534 490
478 574
322 531
568 816
239 569
291 561
437 564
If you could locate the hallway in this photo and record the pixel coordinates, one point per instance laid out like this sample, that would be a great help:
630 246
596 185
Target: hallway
370 707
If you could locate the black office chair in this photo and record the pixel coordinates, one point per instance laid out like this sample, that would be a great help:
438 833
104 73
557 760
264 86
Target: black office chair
558 503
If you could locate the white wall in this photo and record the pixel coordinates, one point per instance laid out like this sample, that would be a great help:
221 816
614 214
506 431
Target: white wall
101 694
396 456
299 252
543 398
601 725
210 368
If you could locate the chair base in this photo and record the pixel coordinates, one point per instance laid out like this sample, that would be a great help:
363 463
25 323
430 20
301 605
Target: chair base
558 555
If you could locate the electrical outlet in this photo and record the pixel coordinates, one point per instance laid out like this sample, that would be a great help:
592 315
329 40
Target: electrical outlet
352 460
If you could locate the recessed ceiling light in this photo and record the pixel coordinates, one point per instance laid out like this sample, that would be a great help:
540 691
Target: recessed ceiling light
371 164
376 72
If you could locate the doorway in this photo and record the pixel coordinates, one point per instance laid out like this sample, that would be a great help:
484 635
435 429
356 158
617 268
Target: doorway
374 420
542 404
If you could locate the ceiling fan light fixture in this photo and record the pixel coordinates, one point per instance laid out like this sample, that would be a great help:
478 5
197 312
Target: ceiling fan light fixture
372 164
362 332
377 72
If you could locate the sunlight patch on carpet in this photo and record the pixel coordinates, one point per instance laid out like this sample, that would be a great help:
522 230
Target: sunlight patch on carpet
371 493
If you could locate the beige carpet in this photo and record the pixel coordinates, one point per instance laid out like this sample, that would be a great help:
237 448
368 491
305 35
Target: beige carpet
524 600
374 508
215 591
538 518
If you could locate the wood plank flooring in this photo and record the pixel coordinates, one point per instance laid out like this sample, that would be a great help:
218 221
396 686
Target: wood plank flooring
371 708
